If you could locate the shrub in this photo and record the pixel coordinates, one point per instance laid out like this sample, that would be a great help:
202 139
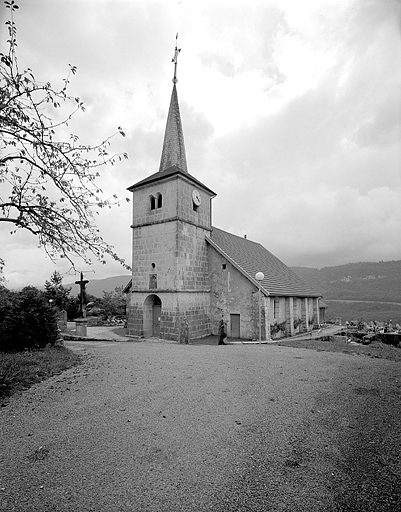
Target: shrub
298 322
277 327
27 321
390 338
10 373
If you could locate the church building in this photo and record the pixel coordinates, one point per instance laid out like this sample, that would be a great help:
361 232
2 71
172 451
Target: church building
187 275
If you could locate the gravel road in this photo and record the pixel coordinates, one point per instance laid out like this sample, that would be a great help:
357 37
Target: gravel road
164 427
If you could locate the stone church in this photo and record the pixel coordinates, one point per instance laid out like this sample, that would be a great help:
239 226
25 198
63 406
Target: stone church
187 275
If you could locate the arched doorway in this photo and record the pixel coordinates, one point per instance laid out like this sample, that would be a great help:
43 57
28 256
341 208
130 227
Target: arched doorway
152 316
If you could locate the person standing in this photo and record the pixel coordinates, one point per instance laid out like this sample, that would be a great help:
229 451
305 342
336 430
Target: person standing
222 332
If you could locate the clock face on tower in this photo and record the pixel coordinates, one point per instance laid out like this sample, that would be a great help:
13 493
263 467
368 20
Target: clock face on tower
196 198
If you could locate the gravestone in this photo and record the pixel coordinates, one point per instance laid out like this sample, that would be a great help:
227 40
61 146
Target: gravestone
62 320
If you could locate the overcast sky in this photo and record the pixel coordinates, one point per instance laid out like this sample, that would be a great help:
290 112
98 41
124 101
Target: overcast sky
290 110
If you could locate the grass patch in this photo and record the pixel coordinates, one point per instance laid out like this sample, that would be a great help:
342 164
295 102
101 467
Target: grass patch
375 349
20 370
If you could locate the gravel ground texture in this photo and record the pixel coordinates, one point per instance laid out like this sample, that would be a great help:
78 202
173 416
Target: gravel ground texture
156 426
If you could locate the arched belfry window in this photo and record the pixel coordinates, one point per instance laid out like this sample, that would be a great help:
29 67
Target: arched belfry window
156 201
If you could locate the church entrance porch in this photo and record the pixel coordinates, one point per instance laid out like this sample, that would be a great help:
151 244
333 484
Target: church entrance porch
152 310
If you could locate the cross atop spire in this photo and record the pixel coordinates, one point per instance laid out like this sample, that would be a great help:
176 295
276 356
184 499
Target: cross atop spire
175 58
173 151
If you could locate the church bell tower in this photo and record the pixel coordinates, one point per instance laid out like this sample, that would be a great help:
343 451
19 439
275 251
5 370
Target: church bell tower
169 296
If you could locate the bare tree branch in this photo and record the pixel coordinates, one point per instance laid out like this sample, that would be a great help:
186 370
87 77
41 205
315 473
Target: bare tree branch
49 186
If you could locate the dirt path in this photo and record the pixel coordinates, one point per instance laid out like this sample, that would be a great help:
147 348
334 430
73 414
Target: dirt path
164 427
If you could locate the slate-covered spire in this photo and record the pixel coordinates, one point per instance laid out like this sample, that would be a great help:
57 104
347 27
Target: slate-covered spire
173 152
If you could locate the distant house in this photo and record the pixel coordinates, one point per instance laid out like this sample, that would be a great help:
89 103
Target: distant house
322 311
187 274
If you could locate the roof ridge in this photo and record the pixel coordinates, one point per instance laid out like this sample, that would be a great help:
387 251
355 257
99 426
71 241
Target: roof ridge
240 237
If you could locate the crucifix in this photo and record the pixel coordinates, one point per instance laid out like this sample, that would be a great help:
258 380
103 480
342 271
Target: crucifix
82 283
174 59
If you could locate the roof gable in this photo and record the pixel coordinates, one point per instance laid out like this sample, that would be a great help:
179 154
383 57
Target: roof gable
250 257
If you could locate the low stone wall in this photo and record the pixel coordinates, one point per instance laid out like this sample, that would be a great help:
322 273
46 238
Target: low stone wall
339 338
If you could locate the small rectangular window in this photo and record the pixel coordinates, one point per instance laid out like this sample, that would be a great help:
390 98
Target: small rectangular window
152 281
276 312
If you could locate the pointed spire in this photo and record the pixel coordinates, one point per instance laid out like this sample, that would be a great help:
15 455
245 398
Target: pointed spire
173 152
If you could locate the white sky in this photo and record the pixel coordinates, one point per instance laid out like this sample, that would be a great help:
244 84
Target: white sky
290 108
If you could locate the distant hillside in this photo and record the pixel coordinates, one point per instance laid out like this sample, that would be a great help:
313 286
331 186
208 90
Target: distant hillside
356 281
96 287
374 287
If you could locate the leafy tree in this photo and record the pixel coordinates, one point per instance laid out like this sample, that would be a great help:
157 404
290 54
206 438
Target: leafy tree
72 308
49 185
55 291
113 303
73 304
27 321
2 278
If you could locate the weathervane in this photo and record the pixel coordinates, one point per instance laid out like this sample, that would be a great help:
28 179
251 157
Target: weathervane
174 59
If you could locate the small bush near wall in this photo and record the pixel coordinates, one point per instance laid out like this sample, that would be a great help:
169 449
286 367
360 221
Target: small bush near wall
390 338
298 322
278 329
27 320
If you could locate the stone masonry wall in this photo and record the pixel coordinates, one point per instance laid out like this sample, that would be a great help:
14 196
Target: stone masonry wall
169 258
175 253
155 244
177 203
134 316
175 307
192 264
231 293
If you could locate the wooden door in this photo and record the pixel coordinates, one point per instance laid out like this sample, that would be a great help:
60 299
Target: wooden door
235 326
157 311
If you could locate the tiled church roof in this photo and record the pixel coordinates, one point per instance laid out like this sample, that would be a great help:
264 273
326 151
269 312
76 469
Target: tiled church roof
250 257
173 152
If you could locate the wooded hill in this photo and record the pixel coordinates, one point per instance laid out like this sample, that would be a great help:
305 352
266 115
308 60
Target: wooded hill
373 283
356 281
96 287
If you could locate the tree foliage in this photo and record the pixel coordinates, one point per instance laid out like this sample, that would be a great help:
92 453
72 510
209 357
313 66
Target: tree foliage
113 303
27 320
2 278
49 185
56 293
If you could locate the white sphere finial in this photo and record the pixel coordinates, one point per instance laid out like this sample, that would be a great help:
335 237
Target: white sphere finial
259 276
